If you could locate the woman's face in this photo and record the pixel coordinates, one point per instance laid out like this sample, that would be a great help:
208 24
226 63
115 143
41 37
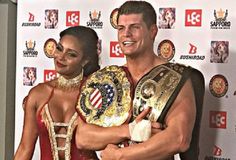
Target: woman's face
68 57
221 48
31 74
169 15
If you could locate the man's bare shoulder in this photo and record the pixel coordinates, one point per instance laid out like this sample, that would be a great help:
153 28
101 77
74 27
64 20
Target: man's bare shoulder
159 61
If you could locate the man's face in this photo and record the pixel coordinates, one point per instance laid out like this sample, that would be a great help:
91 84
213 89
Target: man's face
133 35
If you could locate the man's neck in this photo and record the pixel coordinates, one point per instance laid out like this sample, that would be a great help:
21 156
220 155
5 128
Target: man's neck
139 66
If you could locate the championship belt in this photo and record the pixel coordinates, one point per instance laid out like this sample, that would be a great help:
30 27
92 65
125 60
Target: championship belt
105 97
157 89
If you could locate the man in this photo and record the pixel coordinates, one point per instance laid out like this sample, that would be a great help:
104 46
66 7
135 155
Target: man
137 29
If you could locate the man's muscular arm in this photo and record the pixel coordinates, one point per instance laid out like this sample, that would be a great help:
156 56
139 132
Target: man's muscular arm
93 137
175 138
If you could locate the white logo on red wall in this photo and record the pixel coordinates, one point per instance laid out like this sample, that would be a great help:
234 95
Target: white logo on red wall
115 50
49 75
217 151
193 17
72 18
193 49
218 119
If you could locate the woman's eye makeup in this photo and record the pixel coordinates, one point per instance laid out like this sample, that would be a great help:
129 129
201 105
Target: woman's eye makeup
72 53
68 52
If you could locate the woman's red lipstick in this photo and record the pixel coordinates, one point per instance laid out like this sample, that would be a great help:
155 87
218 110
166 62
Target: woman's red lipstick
60 64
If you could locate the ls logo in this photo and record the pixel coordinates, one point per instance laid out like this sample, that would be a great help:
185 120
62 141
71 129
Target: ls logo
72 18
193 17
115 50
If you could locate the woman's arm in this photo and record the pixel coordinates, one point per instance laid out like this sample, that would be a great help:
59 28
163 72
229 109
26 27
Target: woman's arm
30 131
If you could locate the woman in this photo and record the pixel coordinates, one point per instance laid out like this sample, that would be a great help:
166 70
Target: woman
50 107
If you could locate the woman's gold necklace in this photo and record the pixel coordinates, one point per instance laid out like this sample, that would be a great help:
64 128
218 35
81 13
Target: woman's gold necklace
69 84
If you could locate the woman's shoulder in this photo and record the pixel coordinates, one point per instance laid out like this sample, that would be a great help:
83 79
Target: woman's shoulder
42 87
41 91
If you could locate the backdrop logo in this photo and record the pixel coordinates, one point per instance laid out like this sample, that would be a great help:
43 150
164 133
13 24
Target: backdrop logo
216 154
99 47
218 85
166 18
113 18
51 18
115 50
220 21
72 18
95 20
192 49
166 49
219 51
29 76
30 49
49 75
193 17
217 151
192 54
218 119
31 22
31 17
49 47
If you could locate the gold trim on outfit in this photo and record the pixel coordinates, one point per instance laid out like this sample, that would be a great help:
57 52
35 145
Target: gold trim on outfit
53 135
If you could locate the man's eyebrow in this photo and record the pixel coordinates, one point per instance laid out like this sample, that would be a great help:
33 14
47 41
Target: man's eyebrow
133 24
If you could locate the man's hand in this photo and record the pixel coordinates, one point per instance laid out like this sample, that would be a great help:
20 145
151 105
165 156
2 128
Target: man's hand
143 114
157 127
110 152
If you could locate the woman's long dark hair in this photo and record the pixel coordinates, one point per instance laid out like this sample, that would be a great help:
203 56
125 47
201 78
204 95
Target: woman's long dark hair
88 39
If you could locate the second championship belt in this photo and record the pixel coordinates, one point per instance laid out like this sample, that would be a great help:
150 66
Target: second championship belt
105 97
158 89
